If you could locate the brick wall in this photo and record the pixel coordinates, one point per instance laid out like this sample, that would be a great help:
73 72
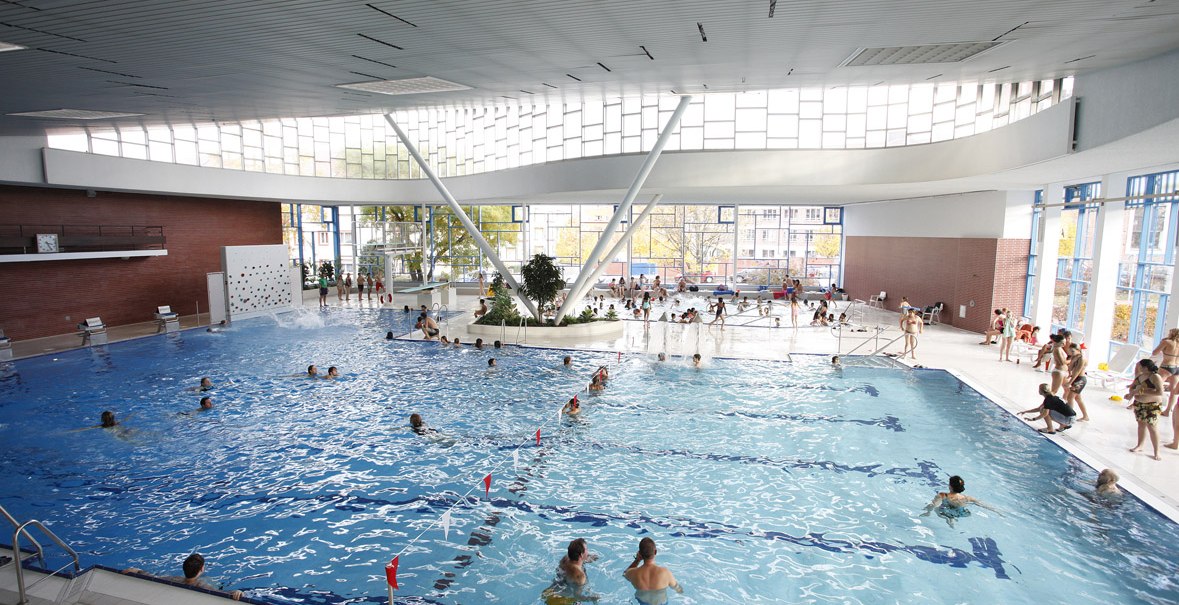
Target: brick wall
51 297
929 270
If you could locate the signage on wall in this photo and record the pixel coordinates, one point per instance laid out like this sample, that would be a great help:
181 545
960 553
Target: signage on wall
833 215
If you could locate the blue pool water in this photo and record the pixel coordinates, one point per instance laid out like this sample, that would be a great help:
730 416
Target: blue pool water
762 482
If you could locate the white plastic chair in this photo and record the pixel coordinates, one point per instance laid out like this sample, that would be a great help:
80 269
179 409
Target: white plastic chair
1120 368
877 300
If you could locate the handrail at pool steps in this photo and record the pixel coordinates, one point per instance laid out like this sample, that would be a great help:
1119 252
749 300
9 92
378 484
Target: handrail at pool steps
15 549
523 326
876 337
20 576
443 311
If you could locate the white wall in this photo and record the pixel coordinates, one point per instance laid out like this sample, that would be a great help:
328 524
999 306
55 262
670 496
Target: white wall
1120 101
980 214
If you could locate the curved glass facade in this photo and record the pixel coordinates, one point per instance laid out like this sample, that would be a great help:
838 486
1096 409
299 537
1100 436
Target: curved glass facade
461 141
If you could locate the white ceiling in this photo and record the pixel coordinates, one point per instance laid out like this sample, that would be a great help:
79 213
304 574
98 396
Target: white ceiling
232 60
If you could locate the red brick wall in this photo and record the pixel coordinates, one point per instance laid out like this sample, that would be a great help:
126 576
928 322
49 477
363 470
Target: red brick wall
928 270
51 297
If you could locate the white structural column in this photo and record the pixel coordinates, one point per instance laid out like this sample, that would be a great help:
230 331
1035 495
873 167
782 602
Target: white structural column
1046 257
1107 249
462 217
1173 302
624 207
577 294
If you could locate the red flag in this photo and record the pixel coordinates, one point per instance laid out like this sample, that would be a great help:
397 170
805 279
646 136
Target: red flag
620 356
391 572
537 436
487 484
575 399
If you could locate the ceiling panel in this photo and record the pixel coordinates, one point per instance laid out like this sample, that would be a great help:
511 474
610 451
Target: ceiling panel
231 60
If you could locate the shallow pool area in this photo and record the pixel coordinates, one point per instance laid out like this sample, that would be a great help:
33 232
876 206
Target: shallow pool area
761 481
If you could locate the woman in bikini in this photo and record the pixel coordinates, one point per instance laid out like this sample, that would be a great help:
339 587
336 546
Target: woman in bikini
1059 362
911 325
1146 392
794 307
1169 370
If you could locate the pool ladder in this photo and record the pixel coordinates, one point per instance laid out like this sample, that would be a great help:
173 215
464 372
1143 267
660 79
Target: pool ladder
21 529
439 309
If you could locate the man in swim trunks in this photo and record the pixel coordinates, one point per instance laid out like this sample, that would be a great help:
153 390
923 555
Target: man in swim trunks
206 404
194 567
428 326
1053 409
572 408
482 310
1169 370
323 290
651 581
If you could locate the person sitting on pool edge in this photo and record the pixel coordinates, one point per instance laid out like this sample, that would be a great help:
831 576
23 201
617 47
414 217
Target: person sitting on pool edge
194 567
571 579
482 310
952 505
651 581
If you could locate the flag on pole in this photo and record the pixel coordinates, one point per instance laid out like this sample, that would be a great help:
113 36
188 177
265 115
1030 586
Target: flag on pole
391 572
487 484
538 437
515 459
445 521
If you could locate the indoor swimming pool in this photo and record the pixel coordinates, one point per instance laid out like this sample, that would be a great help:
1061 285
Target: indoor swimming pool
761 481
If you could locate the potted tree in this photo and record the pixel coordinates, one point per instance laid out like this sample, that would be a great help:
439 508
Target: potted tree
542 281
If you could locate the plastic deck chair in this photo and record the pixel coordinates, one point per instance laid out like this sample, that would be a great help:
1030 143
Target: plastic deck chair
1119 370
932 315
877 300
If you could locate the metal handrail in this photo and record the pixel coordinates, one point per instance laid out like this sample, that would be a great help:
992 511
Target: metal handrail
36 544
440 308
20 576
879 330
503 330
523 326
889 343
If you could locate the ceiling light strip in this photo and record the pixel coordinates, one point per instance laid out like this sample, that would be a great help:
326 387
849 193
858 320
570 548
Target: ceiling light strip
603 66
107 71
647 52
375 61
380 41
574 77
773 5
384 12
62 52
138 85
700 26
41 31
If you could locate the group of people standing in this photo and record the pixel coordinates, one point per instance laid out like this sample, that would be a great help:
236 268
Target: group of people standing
344 288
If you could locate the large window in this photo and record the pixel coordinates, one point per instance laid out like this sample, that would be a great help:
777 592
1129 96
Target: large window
1078 223
465 140
1148 260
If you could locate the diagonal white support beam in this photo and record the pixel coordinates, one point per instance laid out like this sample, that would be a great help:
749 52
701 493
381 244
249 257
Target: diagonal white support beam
627 200
576 295
462 217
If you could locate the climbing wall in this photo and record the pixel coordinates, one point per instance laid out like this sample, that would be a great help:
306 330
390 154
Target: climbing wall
257 280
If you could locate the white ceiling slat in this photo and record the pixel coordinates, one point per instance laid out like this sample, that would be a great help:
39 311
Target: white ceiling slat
267 58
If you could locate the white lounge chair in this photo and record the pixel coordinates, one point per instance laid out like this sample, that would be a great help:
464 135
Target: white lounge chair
1120 371
877 300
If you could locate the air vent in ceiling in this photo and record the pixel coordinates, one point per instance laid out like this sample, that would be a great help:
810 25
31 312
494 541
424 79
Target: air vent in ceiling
916 55
75 114
6 46
406 86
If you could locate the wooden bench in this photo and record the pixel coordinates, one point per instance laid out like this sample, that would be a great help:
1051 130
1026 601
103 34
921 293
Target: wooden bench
431 294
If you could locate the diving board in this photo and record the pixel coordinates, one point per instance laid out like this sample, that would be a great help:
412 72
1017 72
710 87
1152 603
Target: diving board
432 293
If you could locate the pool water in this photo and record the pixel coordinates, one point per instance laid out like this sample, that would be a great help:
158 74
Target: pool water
761 481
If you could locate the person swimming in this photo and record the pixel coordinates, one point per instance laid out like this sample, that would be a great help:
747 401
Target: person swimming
206 385
206 404
312 371
572 408
696 360
569 585
1107 483
332 373
419 426
951 505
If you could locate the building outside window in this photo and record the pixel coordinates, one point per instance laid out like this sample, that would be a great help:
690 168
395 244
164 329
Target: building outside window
1148 260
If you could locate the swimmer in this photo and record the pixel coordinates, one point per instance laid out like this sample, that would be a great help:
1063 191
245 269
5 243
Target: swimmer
662 356
206 385
332 373
312 371
696 360
406 309
456 342
1107 483
419 426
567 362
651 581
951 505
603 373
491 362
596 384
571 579
219 328
498 345
572 408
108 420
479 343
388 335
835 361
444 341
206 404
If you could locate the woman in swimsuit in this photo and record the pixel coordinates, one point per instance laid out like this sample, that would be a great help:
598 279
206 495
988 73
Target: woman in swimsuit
1076 381
1059 363
1169 370
911 325
1147 394
1006 339
646 307
952 505
794 306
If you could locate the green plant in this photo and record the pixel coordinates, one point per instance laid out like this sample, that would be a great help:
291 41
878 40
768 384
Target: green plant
326 269
587 315
503 307
611 315
542 280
